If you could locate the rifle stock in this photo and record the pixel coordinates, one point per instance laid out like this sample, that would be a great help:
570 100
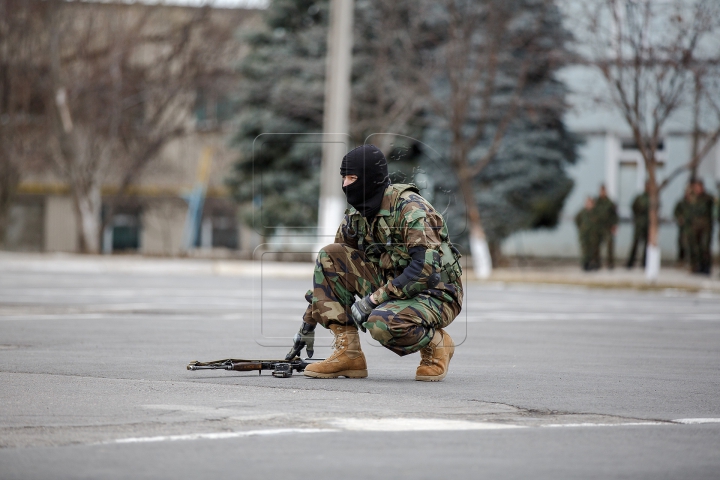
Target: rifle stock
246 367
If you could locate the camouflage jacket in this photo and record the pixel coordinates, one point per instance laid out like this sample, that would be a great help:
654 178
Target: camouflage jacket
641 209
606 213
406 220
588 223
700 211
681 213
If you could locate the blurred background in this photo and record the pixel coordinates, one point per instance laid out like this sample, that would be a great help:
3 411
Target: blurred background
184 128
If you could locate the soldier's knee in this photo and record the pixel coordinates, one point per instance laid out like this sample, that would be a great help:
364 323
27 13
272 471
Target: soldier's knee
377 326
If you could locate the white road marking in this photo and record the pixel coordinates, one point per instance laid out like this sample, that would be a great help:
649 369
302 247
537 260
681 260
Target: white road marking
473 317
399 425
413 424
697 421
222 435
626 424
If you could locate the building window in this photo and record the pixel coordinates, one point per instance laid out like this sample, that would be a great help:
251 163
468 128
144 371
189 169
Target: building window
122 233
631 174
219 229
627 187
212 110
25 225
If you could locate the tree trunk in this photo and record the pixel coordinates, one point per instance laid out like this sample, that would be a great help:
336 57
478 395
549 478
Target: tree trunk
652 260
88 205
482 263
9 179
695 129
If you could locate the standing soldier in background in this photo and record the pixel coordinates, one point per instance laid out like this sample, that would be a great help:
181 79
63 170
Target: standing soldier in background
681 218
608 219
641 222
589 235
700 219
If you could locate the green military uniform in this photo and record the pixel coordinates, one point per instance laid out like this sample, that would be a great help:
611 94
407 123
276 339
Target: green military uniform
589 234
367 257
607 217
681 216
641 223
700 224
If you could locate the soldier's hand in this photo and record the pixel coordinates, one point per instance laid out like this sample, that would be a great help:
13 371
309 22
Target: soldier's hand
361 310
304 338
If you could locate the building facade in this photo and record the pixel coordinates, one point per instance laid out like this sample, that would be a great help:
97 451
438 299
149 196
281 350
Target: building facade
178 204
609 156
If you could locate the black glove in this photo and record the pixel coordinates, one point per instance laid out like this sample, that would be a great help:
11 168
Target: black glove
305 337
360 311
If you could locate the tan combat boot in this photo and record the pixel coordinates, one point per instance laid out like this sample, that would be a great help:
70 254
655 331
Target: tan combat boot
436 357
346 361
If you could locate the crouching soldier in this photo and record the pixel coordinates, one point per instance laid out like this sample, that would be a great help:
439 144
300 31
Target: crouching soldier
393 251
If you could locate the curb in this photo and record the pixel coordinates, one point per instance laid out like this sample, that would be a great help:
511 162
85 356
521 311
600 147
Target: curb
689 284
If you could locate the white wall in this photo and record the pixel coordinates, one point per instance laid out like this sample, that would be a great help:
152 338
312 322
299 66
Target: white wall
60 224
162 227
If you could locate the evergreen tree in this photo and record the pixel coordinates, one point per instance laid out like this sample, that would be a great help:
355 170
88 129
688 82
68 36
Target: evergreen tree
280 100
494 92
523 187
527 181
283 93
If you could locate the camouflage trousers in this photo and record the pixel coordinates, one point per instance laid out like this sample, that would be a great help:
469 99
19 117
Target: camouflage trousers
699 241
590 250
607 240
402 326
640 236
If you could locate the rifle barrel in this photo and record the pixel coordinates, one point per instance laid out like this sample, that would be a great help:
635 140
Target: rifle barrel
209 367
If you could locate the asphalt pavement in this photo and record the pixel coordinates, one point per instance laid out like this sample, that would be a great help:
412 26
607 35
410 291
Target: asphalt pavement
549 381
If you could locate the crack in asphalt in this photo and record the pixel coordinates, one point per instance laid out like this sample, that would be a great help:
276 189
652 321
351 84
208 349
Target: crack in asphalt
229 419
545 412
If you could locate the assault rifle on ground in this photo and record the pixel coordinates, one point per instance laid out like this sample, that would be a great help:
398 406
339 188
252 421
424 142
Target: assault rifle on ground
280 368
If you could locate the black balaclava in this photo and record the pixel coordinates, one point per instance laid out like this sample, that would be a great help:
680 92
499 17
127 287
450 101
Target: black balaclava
366 193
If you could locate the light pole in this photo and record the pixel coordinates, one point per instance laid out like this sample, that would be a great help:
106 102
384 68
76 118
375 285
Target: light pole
336 118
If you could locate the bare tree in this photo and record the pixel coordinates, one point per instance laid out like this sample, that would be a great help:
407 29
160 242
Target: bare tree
465 62
389 99
476 81
124 80
22 120
705 109
659 59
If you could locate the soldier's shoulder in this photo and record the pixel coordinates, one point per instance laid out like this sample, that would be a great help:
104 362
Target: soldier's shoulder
411 201
411 207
